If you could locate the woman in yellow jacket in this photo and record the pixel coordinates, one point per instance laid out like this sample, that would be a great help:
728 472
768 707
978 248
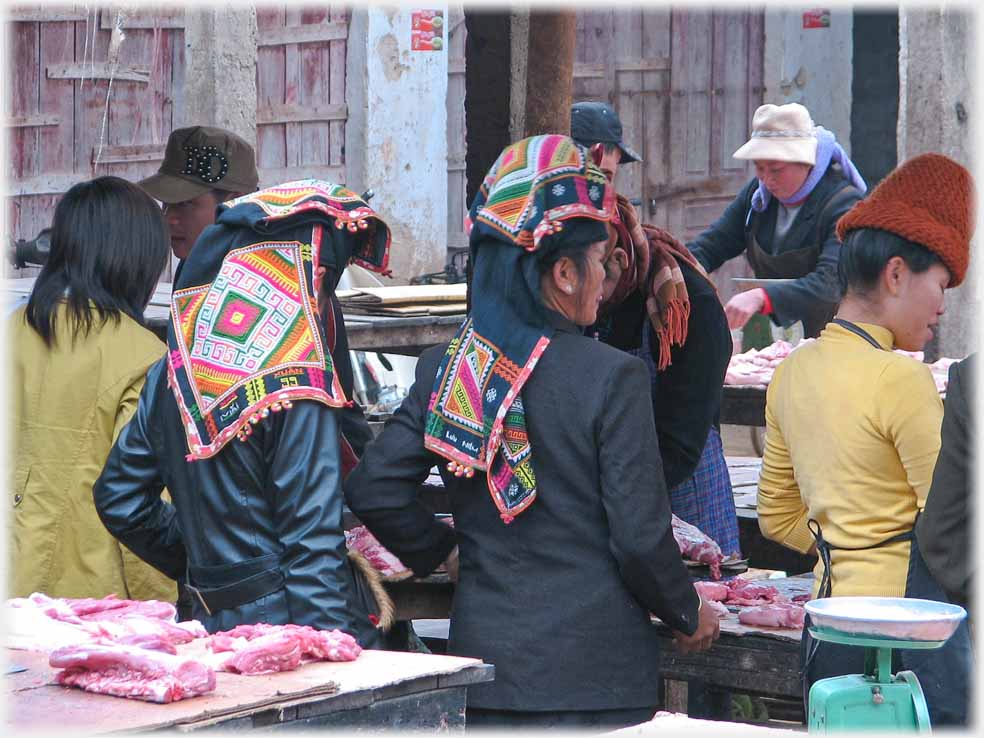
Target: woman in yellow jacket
80 355
853 429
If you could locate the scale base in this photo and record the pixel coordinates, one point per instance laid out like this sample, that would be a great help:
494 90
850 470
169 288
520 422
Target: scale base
856 702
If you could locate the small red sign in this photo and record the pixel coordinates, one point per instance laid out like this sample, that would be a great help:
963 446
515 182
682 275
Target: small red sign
427 30
816 19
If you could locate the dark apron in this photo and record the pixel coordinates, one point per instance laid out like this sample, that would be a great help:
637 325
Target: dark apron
794 264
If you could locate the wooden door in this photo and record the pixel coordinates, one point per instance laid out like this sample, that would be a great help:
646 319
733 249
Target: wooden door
72 114
300 93
685 82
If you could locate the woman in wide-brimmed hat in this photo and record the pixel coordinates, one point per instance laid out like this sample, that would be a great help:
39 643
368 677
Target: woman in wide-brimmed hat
853 428
560 509
783 220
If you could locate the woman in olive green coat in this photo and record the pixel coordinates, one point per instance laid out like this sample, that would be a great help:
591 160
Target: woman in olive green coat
80 356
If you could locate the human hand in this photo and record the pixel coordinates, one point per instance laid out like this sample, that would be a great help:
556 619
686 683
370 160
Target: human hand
743 306
451 564
708 631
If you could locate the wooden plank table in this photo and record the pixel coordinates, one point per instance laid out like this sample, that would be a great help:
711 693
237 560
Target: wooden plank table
743 405
747 660
380 689
392 335
761 553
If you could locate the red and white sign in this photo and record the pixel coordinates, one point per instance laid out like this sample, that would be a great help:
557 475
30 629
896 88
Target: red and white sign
427 30
819 18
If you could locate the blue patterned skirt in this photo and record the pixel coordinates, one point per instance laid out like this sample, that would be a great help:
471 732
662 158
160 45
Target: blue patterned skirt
706 499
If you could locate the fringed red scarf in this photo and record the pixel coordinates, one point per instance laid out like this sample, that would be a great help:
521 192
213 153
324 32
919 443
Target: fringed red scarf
653 257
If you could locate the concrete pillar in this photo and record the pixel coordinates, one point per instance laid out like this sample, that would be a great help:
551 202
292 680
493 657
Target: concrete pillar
519 44
810 66
220 68
396 141
550 79
936 107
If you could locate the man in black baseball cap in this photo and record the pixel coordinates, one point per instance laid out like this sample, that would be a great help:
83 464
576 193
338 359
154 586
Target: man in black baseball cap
596 125
684 340
202 168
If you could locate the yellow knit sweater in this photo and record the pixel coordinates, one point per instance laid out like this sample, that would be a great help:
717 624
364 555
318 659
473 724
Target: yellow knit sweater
851 441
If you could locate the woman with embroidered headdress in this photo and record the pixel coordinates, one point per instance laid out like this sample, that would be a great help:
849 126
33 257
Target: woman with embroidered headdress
561 516
241 419
784 219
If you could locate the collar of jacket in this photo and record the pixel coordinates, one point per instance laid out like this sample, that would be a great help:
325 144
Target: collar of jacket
561 323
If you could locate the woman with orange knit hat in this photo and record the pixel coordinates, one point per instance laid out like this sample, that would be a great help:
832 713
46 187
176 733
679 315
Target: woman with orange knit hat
853 429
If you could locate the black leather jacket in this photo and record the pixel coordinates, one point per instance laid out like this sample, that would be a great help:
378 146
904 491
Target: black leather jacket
262 508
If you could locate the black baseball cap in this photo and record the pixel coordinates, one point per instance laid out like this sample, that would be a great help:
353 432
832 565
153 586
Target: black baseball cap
199 159
597 122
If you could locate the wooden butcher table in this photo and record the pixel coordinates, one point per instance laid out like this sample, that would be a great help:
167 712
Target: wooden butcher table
392 335
379 690
745 660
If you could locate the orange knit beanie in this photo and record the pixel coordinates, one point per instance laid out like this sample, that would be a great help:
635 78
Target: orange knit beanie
928 200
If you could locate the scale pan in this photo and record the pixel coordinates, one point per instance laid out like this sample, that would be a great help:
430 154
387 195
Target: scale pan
894 618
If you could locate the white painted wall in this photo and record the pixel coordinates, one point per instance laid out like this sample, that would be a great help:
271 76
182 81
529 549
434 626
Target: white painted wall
403 140
811 66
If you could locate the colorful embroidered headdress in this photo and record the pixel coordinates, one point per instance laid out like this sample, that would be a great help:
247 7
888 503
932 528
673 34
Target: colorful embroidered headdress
245 336
475 416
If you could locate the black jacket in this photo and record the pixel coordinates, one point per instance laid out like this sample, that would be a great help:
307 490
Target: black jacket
726 239
687 394
943 528
558 600
273 502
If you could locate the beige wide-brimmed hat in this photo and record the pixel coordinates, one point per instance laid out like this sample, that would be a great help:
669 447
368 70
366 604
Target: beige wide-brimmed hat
781 133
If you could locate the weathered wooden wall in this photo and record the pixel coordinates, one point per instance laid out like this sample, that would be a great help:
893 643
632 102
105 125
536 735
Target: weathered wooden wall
685 82
57 120
61 130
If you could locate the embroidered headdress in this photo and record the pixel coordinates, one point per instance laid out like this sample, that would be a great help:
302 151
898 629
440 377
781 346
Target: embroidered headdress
475 416
245 337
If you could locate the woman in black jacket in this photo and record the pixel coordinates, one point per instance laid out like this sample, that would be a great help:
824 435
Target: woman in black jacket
784 219
241 420
560 508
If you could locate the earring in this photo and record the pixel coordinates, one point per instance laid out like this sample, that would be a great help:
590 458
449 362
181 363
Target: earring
569 290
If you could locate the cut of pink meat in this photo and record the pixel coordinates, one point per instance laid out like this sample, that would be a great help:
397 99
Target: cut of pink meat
721 610
262 648
779 615
361 540
150 642
126 608
697 546
128 671
712 591
267 654
746 593
800 599
88 605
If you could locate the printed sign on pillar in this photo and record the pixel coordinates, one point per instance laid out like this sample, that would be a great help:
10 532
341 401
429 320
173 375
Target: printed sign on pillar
427 30
816 19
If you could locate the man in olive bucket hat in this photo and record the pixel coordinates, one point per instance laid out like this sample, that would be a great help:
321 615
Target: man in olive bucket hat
202 168
240 420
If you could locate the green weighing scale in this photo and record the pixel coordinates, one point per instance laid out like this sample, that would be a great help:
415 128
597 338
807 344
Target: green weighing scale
876 699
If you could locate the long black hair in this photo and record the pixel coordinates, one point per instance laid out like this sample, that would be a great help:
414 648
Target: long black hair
109 245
